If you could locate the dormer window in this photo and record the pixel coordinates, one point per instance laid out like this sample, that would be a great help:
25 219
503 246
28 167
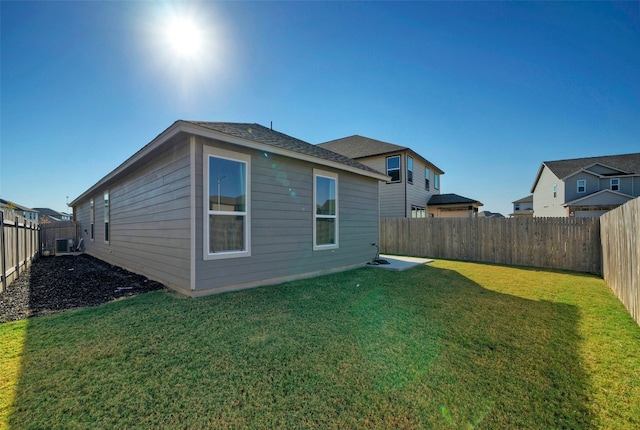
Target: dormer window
582 185
615 184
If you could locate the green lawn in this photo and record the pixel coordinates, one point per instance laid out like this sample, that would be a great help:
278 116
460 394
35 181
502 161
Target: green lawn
451 345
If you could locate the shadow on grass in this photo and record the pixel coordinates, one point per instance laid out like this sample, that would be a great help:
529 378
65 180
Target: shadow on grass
367 348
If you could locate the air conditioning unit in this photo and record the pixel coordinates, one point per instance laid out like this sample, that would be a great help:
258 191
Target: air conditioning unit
64 245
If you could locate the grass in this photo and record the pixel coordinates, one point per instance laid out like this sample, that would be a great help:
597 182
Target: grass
452 345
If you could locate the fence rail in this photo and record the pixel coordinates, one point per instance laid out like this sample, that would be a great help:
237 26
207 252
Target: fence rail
621 254
19 246
554 243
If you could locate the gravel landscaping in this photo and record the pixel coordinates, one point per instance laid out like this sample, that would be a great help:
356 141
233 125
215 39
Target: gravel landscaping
55 284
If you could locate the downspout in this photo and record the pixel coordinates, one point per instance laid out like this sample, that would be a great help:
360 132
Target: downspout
406 176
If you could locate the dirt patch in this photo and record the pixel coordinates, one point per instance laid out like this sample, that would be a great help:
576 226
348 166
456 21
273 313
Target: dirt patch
55 284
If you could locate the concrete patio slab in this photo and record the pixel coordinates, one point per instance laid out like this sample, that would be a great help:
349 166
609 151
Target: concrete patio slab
400 263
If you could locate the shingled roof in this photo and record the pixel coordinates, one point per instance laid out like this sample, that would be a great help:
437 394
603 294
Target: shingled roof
629 163
357 146
261 134
450 199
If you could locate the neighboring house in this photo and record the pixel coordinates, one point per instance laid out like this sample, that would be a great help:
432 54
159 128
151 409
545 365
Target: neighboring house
489 214
453 206
208 207
413 178
585 187
523 208
25 212
49 215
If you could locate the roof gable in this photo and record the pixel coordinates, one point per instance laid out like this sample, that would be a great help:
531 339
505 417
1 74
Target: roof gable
614 197
627 163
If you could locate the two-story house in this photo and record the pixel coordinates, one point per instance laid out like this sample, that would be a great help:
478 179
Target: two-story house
25 212
584 187
523 208
413 178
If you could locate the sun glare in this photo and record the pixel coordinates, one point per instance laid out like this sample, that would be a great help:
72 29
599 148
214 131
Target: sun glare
185 37
187 48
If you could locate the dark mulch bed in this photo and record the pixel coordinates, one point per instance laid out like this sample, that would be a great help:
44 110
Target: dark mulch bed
55 284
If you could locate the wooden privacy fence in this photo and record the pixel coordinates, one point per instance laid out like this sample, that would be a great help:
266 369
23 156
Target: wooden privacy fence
18 246
621 254
57 230
554 243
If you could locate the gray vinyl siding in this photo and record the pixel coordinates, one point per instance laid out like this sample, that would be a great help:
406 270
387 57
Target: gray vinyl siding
149 219
417 194
282 224
397 198
392 195
571 186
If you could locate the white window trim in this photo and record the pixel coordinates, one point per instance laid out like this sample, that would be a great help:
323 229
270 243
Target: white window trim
334 176
399 169
427 176
436 181
209 151
584 181
617 184
409 169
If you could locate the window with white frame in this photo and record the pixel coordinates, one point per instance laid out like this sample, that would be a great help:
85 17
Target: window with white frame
427 177
325 214
615 184
555 190
582 185
106 217
410 170
393 168
227 204
418 211
436 181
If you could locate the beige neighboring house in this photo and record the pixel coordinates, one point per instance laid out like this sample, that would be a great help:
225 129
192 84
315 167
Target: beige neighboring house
585 187
414 179
453 206
523 208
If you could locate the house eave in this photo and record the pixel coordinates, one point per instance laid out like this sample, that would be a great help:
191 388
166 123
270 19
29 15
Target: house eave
188 128
577 201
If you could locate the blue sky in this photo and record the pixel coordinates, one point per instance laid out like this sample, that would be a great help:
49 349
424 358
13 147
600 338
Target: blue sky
485 91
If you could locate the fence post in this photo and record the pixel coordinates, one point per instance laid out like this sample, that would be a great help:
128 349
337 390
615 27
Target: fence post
17 236
3 287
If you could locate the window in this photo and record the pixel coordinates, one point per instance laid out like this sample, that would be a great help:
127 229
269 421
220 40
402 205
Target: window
582 185
92 219
227 221
555 191
427 176
516 206
615 184
393 168
418 212
436 181
106 217
325 216
410 170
